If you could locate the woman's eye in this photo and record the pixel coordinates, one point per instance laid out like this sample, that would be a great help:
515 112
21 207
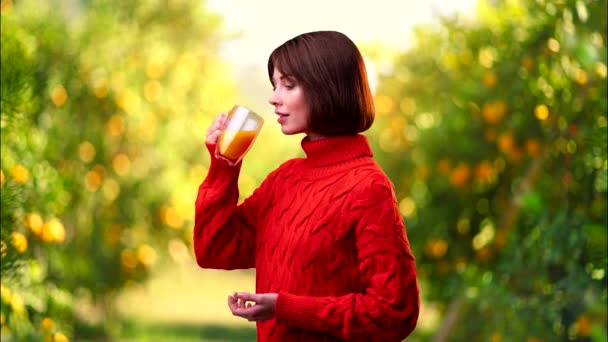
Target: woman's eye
290 86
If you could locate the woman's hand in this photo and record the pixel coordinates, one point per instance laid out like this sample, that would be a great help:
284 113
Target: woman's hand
253 307
214 131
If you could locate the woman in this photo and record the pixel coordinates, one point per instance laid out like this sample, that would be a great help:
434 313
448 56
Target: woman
332 259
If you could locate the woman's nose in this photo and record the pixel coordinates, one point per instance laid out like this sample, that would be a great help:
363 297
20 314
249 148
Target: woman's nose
274 98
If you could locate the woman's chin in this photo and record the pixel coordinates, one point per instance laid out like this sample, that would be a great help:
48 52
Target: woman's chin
287 131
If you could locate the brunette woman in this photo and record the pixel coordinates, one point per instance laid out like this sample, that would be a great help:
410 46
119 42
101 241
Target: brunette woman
324 233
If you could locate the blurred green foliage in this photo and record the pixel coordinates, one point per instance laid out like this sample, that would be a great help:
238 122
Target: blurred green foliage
104 109
494 132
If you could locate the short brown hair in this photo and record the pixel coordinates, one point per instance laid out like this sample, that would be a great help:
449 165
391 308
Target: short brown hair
329 67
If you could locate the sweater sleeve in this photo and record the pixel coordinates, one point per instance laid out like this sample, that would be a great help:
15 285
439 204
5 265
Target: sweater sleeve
224 233
387 309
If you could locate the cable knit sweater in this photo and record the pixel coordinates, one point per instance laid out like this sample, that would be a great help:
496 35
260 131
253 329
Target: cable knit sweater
325 234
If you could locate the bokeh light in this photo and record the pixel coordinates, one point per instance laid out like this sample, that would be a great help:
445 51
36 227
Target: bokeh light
490 122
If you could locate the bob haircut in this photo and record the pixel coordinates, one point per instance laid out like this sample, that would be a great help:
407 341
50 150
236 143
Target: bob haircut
331 71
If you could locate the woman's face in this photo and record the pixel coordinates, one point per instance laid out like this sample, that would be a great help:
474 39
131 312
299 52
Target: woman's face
289 104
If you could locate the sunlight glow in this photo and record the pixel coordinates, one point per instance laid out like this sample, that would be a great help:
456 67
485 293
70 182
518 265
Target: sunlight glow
263 25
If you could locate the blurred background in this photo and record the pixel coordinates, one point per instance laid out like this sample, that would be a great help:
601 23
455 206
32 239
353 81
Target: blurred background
491 122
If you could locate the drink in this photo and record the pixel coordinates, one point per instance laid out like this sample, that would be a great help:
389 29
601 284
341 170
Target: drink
242 127
233 144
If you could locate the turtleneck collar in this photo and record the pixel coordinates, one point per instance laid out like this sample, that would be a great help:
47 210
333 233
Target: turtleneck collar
334 150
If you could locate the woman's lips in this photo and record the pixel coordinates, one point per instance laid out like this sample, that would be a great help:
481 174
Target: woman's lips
282 118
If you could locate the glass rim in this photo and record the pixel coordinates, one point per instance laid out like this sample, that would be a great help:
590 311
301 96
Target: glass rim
236 108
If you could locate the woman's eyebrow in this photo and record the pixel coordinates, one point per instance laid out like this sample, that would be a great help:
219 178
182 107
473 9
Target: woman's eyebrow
288 78
281 78
284 78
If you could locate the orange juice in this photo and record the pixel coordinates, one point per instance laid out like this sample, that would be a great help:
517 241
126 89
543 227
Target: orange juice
233 144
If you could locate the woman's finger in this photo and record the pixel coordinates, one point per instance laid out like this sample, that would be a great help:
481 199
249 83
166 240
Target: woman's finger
253 297
251 306
222 120
219 122
215 129
214 125
214 136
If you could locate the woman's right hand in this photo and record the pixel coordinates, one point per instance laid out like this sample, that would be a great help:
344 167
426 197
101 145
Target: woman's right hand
214 131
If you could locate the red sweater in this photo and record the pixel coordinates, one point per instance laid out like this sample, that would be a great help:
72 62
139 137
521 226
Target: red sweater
325 234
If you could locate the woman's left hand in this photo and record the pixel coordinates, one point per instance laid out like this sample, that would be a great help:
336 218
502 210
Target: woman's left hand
253 306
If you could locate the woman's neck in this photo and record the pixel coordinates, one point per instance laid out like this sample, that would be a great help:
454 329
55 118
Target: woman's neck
315 136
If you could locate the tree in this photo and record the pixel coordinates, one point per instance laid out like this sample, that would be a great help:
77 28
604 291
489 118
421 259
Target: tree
495 134
104 108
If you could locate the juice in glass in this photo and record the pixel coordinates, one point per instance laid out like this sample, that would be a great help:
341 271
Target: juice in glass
242 127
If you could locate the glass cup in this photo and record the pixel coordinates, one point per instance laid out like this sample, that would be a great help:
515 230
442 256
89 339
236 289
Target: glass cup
241 129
